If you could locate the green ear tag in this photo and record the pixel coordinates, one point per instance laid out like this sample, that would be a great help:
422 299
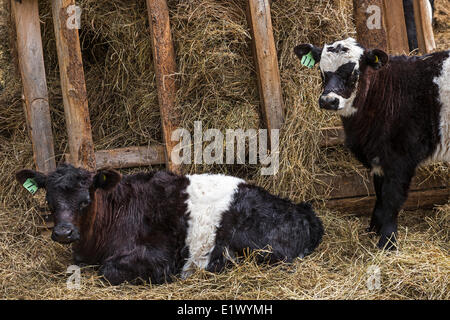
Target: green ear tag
308 60
30 185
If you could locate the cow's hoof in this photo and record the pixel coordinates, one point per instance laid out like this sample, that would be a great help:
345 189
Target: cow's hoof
387 242
388 237
110 274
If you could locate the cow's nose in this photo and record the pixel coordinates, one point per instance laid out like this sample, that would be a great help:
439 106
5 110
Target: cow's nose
62 233
329 103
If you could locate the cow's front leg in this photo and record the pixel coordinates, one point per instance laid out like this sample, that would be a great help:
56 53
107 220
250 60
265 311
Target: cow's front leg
375 221
394 192
137 266
114 273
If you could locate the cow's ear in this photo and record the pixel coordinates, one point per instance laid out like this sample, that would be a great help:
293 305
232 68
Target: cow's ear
376 58
308 54
107 179
31 180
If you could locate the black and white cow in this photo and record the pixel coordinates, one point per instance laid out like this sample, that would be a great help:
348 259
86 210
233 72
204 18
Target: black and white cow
155 225
396 115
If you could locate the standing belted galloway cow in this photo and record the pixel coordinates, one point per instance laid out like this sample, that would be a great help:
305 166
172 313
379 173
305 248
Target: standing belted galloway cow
155 225
396 115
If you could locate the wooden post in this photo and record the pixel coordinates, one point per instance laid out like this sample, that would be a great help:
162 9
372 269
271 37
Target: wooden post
14 56
369 23
381 24
31 65
266 61
73 85
165 69
397 37
424 28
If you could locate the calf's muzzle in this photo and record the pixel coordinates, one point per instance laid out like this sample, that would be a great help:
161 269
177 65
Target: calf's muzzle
329 103
65 233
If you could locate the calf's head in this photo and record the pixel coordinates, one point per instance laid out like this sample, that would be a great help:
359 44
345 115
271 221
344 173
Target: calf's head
341 64
69 194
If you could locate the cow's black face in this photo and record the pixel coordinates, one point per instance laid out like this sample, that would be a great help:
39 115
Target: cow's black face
68 197
69 194
340 66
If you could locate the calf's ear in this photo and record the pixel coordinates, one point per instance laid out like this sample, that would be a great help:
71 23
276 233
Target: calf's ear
38 179
307 51
107 179
376 58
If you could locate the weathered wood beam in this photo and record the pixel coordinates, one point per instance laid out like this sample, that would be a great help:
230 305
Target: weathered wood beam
32 70
355 193
423 199
266 61
370 30
73 86
424 28
129 157
397 37
381 24
165 70
353 184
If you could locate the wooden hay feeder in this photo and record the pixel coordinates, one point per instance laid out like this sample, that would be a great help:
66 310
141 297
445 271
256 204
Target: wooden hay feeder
349 193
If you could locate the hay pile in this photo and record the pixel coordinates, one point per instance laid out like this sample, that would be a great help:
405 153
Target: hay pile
218 86
442 24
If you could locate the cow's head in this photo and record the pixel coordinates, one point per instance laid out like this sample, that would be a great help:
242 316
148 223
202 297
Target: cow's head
69 194
341 64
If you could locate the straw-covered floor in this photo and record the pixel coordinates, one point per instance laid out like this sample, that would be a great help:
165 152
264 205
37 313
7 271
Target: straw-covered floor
216 77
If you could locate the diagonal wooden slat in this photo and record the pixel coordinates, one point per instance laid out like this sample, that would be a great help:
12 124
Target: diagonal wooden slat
424 28
32 70
165 70
73 86
266 61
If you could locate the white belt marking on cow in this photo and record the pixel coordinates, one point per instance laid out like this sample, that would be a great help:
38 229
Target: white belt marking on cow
442 152
209 196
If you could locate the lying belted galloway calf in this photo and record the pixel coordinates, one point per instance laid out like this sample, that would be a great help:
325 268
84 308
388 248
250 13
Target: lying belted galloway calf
396 115
152 226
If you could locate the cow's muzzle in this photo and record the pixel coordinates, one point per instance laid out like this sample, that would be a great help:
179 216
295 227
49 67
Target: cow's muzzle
329 103
65 233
